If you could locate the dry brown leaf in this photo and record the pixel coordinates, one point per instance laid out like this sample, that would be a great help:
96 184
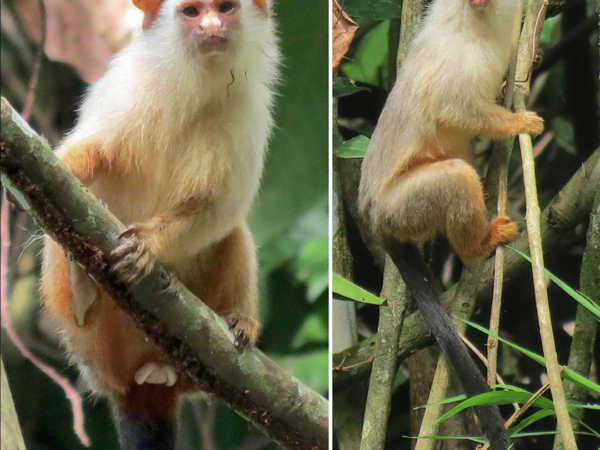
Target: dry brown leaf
83 33
344 29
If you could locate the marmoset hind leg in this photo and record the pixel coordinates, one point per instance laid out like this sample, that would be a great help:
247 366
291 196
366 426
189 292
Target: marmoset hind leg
444 197
109 342
118 357
225 280
106 340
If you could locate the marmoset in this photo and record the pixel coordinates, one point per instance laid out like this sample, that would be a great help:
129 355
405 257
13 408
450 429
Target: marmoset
172 140
417 176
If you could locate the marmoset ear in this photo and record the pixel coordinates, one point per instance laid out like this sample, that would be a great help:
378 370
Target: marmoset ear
150 9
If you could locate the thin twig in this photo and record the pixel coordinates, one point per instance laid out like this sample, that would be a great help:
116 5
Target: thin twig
504 149
205 415
518 414
72 395
379 397
536 11
521 411
485 362
439 388
37 64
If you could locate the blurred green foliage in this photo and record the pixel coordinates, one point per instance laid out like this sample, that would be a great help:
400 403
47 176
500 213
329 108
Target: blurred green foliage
369 63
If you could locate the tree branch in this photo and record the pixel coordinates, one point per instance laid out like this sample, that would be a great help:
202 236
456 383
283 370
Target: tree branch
385 364
196 339
532 29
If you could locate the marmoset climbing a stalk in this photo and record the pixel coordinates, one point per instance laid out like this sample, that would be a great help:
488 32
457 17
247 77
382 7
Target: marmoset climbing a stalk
417 176
172 140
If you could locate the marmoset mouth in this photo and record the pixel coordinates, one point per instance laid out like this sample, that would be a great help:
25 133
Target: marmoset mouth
213 44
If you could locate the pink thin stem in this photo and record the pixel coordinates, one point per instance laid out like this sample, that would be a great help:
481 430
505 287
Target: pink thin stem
70 392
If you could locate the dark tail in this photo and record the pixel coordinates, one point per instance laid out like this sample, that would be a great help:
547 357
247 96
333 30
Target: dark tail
418 279
145 418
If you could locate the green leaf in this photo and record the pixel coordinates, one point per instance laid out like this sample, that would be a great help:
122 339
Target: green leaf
496 398
343 87
582 299
456 398
567 374
354 148
313 329
350 290
230 429
400 379
369 64
313 266
297 165
551 24
564 133
8 186
592 432
536 416
337 141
